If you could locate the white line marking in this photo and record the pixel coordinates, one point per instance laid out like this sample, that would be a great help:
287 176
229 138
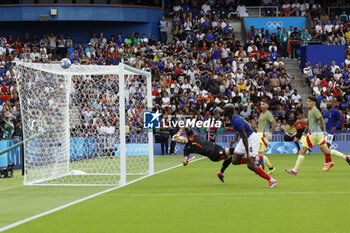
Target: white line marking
218 194
87 198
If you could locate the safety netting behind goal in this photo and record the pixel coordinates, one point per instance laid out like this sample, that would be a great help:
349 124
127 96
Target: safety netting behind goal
76 129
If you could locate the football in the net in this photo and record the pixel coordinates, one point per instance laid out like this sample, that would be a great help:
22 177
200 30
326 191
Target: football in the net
65 63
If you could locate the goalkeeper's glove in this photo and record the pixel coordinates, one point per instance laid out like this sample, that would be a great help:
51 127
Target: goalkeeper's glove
176 136
187 160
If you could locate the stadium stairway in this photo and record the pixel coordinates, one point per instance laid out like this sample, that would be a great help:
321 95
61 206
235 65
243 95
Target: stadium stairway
169 20
74 115
253 12
293 69
237 29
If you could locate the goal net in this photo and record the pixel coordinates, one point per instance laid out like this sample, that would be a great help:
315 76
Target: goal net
83 125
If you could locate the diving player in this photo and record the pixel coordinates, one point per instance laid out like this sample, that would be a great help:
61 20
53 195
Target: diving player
199 145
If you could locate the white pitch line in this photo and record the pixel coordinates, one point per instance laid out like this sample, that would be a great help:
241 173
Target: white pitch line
218 194
87 198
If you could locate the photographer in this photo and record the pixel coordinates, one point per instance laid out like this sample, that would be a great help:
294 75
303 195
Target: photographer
290 132
8 127
18 133
164 136
173 130
211 134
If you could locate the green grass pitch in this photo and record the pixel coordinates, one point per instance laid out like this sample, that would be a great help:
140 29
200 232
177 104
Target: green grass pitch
192 199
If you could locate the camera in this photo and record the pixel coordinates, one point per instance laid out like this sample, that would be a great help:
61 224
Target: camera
7 172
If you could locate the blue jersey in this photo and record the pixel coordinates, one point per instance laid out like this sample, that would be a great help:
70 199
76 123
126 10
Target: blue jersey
332 119
239 124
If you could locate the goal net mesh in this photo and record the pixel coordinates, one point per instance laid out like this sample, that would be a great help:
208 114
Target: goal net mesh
72 124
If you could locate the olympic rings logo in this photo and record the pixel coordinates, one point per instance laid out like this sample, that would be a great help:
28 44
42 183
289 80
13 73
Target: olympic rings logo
274 24
333 146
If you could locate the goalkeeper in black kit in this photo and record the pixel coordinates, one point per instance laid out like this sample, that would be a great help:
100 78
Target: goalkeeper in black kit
199 145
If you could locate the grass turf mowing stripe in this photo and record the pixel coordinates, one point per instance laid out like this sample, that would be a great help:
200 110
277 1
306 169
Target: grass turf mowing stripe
87 198
218 194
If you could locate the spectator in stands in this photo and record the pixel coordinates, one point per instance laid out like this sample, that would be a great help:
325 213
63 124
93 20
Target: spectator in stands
68 41
35 54
199 76
162 29
334 67
102 41
316 9
295 11
176 8
61 45
304 8
286 7
205 8
242 10
93 40
295 43
35 42
343 17
284 42
181 39
305 35
295 97
307 73
52 44
347 60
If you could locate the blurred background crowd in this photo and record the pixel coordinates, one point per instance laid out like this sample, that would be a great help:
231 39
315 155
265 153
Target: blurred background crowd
202 68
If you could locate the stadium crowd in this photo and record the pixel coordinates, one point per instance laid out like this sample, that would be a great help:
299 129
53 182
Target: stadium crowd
330 82
331 29
194 76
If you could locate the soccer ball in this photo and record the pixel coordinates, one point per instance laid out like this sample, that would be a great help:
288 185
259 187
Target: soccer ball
65 63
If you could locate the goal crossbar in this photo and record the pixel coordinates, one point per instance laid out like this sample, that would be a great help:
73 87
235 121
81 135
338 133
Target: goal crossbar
85 69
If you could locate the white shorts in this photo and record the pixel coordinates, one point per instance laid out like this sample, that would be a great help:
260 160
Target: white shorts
253 145
329 138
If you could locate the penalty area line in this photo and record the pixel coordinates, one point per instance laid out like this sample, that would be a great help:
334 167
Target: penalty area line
87 198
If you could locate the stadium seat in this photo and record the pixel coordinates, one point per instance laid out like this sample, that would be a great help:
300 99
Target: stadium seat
100 1
64 1
9 2
190 39
222 14
190 33
82 1
45 1
27 1
268 12
214 11
196 12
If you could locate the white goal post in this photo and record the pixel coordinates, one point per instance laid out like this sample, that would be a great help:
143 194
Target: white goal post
83 125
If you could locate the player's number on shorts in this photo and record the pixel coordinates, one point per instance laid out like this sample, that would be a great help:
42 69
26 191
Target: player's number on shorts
329 138
250 149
